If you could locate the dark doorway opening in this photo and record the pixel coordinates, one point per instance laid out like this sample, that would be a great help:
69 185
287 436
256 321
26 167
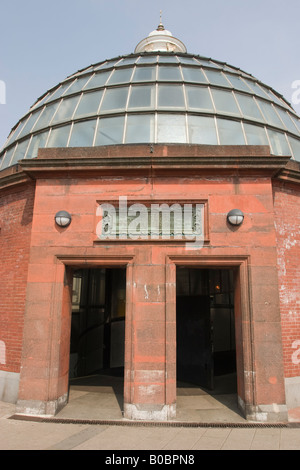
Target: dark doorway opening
98 331
205 329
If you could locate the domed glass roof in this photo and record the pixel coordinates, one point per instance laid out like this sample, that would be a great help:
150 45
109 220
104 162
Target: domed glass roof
159 96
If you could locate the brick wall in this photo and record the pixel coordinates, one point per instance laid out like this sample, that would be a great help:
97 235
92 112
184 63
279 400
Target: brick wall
150 355
287 222
16 208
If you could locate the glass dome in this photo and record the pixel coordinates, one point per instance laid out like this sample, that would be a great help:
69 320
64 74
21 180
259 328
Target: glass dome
156 97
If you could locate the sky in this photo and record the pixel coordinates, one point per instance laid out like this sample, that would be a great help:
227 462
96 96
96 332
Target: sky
43 42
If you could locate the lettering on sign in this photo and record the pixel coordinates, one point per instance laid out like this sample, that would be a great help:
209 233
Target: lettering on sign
153 221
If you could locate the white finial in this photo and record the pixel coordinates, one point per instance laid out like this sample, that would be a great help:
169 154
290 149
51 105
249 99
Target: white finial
160 40
160 26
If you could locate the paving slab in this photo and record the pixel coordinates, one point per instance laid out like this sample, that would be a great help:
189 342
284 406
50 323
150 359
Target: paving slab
239 439
94 421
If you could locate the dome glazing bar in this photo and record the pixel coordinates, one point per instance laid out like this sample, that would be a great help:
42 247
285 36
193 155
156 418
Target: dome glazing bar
162 96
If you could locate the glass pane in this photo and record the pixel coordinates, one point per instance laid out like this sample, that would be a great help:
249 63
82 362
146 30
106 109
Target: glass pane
37 141
59 137
188 60
260 90
202 130
110 131
83 134
193 74
89 104
198 98
171 128
98 80
46 116
114 98
216 78
29 124
275 97
238 83
85 70
279 145
256 135
230 132
20 128
128 61
13 134
66 109
170 96
120 76
140 129
231 68
106 65
57 93
7 158
23 126
256 88
169 73
295 144
20 151
142 97
41 100
144 74
167 58
249 107
2 160
203 62
148 59
213 64
77 85
269 113
287 120
296 121
225 102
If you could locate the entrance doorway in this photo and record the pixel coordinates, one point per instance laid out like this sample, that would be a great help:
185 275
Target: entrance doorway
98 331
205 329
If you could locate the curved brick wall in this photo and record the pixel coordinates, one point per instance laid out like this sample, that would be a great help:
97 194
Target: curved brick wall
287 223
16 208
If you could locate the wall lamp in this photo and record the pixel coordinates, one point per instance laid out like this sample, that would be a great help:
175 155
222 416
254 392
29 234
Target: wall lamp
235 217
63 219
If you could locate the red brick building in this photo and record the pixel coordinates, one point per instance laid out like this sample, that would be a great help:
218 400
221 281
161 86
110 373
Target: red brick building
147 155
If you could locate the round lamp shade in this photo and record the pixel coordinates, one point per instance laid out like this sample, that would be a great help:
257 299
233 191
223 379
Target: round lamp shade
235 217
63 218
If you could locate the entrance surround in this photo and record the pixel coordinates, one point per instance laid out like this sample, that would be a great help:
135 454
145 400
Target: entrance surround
76 180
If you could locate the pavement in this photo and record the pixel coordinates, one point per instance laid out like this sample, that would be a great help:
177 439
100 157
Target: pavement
93 420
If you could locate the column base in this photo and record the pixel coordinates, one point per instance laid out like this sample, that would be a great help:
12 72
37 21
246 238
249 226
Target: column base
41 408
9 386
292 392
149 412
273 413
